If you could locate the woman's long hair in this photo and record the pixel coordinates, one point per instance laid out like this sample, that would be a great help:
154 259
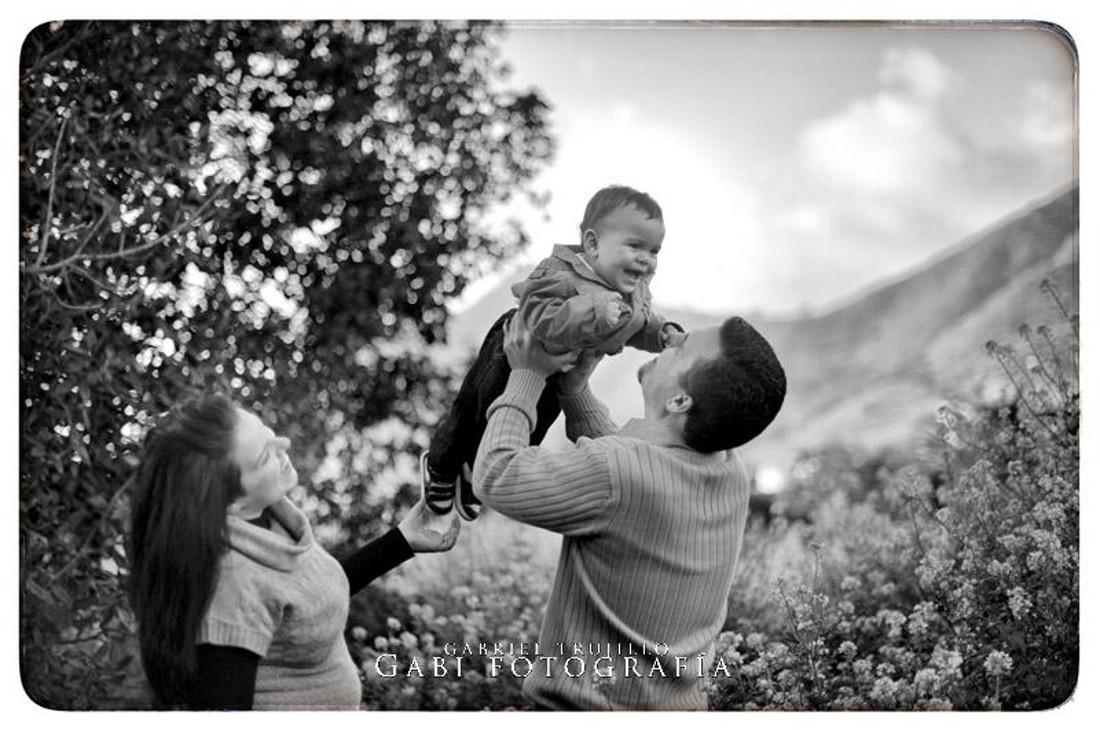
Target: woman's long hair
183 486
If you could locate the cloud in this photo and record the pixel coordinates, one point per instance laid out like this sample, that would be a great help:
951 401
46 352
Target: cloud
890 142
915 73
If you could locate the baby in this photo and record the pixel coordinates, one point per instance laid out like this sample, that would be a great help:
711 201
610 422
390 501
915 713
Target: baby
590 297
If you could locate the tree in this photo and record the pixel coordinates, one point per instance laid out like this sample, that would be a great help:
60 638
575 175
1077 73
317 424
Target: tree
276 210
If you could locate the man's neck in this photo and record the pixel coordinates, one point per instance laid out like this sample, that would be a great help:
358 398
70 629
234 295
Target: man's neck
657 431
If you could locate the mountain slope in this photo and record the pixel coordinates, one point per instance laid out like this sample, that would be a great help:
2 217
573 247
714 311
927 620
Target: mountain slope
872 373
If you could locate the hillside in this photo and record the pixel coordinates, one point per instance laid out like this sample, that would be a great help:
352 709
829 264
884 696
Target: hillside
871 373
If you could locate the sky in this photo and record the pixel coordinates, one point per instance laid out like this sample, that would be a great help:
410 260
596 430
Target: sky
797 165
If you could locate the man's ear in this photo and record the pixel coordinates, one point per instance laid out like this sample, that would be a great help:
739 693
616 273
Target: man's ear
679 403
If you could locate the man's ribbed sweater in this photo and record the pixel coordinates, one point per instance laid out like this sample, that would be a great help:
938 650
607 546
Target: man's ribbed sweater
651 535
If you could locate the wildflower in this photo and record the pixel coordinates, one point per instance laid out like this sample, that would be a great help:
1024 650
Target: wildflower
408 639
926 680
998 569
935 704
998 663
358 633
918 624
754 668
913 485
963 607
381 643
946 660
894 620
777 650
847 650
922 617
755 640
886 589
885 691
730 639
393 624
931 570
1018 602
850 583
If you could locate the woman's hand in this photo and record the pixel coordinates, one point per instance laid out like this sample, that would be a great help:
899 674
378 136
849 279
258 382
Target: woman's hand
524 352
427 532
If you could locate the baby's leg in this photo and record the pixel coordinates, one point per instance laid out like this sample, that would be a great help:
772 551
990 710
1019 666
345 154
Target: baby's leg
458 434
547 410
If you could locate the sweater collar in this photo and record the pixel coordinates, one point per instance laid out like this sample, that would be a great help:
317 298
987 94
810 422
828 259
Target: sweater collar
280 547
646 430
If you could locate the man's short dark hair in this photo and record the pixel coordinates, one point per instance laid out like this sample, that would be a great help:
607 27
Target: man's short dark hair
614 197
736 394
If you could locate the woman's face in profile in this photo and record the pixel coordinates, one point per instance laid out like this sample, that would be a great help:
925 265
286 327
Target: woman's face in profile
266 472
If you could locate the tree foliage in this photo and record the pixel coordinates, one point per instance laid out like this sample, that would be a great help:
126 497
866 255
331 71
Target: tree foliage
276 210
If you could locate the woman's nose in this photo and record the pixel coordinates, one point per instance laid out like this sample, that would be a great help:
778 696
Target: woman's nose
282 443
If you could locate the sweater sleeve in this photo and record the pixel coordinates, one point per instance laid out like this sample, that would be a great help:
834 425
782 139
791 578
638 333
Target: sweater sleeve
570 492
585 415
244 611
648 337
225 678
377 557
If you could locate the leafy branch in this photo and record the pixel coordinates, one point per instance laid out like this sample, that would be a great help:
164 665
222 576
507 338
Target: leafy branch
194 220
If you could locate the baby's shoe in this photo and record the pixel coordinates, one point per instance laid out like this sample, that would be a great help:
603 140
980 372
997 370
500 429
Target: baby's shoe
438 496
467 505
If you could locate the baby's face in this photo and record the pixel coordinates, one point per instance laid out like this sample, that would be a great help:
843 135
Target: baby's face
625 247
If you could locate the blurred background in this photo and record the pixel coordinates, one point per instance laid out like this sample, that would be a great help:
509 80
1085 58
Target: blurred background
323 219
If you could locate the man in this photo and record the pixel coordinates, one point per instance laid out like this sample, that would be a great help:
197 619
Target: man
652 514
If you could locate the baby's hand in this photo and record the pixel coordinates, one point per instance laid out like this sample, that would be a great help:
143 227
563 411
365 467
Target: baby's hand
671 335
615 309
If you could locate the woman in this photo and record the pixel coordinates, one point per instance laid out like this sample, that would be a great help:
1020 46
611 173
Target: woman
238 607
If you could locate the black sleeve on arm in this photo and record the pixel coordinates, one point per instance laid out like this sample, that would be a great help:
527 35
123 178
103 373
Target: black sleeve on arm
226 678
377 557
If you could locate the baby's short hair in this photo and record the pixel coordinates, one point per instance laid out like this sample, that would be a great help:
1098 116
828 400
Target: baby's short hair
618 196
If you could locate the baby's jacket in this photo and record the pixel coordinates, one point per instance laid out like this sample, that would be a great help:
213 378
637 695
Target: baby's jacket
568 307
